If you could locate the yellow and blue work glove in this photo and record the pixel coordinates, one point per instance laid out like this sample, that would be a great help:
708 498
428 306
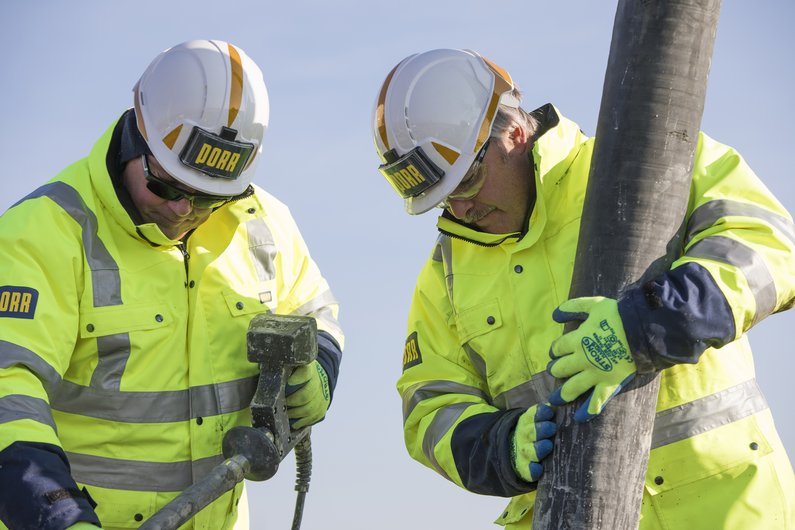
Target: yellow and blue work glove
595 357
308 395
82 526
531 441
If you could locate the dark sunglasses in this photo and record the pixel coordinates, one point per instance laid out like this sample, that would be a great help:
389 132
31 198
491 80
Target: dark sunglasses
168 192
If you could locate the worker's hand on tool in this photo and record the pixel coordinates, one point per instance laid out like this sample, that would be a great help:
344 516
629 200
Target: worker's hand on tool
531 441
593 357
82 526
308 395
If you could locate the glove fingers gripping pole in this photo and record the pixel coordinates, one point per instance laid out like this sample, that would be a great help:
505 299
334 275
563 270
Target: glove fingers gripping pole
278 343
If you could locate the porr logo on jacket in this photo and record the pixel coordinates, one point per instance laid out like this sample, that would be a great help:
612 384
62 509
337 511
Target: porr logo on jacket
18 302
411 353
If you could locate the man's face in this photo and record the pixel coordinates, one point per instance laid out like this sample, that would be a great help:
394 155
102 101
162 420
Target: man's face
174 218
501 205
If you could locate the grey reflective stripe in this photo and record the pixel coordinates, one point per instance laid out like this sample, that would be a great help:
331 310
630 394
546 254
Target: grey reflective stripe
529 393
478 363
262 248
113 351
431 389
105 278
155 407
708 214
318 308
437 251
726 250
134 475
444 251
17 407
12 354
707 413
441 423
322 300
222 398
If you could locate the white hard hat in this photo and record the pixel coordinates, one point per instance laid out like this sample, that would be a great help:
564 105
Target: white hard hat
202 108
432 117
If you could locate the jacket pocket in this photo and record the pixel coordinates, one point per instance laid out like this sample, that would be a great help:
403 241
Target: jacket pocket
110 320
250 301
705 455
123 509
725 478
475 321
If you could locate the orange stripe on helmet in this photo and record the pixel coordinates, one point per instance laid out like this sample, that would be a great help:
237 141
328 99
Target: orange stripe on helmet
448 154
379 110
171 138
502 83
236 92
499 71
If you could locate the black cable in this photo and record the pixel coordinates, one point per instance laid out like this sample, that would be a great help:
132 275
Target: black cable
303 471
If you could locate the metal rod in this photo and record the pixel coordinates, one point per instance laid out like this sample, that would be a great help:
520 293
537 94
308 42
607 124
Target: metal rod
221 479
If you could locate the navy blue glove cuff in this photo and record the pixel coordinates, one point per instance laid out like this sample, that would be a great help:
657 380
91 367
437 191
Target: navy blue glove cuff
481 447
632 307
674 318
38 491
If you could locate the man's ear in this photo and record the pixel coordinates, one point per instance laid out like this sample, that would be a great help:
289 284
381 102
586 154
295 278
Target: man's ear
518 134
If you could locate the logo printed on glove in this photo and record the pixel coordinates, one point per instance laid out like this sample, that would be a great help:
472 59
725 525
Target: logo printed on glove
324 382
606 351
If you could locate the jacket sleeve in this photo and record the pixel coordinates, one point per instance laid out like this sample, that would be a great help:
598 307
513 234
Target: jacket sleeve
40 263
449 422
738 267
306 291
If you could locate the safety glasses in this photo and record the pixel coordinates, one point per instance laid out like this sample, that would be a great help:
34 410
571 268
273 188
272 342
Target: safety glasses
473 181
168 192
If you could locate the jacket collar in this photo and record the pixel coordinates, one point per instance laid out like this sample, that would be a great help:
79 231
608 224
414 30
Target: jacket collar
553 153
105 172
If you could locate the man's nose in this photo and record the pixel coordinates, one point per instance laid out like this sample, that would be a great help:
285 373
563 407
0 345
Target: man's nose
181 207
459 208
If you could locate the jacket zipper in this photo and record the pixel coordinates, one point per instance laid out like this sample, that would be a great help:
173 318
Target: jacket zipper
478 243
185 258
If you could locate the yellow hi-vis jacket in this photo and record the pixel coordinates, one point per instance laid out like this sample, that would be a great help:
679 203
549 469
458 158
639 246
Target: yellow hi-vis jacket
480 329
127 349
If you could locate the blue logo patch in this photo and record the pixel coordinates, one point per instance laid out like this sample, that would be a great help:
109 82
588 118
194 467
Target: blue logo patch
18 302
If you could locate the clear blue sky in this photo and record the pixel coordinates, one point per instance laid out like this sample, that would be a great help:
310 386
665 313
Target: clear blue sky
68 69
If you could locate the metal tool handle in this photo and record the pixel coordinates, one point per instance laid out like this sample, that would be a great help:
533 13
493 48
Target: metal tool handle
278 343
250 454
196 497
